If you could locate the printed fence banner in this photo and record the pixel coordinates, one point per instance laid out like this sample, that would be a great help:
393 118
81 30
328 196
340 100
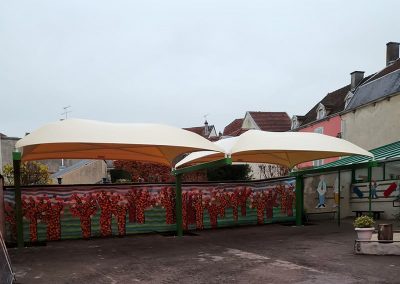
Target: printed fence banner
83 211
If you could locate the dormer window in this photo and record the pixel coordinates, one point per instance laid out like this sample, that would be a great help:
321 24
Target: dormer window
295 122
347 99
321 111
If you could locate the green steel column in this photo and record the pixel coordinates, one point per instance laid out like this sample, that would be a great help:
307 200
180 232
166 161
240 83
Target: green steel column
178 186
18 202
384 171
299 201
178 201
338 208
370 193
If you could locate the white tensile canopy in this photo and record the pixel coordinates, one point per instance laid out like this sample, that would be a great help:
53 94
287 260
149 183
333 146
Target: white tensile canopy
282 148
88 139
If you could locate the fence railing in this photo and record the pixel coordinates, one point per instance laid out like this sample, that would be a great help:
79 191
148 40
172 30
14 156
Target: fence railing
82 211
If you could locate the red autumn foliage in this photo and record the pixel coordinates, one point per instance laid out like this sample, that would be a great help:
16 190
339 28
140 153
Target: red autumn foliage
244 194
132 197
145 171
258 200
152 172
270 203
289 200
216 204
223 201
166 198
145 200
199 205
188 209
119 210
234 201
31 211
51 209
281 189
84 207
104 201
10 218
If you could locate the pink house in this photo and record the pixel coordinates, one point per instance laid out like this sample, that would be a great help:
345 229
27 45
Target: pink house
324 117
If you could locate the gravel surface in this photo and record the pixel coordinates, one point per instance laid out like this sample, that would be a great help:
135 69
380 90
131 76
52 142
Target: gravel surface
319 253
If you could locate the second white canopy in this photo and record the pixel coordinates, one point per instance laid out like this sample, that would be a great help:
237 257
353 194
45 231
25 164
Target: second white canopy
282 148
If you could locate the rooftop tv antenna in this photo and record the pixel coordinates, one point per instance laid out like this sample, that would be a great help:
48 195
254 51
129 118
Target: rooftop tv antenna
66 112
205 116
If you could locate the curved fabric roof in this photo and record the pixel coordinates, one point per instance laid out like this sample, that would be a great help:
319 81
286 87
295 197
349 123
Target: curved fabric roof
282 148
88 139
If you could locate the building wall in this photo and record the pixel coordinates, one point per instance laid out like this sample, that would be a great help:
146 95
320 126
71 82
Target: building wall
311 195
7 145
350 200
382 203
91 173
55 164
373 125
249 123
271 171
331 127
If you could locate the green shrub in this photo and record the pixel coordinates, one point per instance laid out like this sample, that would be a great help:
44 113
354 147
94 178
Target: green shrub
364 222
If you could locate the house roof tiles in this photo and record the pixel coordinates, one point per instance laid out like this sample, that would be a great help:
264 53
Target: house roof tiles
200 130
333 102
233 128
380 85
271 121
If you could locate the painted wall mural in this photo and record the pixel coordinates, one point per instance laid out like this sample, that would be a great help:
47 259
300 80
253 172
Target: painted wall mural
67 212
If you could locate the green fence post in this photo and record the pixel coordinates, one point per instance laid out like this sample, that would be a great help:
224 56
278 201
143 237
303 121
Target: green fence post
299 200
178 204
338 208
370 193
18 202
178 186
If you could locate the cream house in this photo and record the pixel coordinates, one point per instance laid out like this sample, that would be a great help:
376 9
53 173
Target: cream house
372 114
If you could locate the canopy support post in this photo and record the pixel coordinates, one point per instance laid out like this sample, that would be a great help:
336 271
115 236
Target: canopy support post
178 187
178 208
369 191
299 200
338 208
18 202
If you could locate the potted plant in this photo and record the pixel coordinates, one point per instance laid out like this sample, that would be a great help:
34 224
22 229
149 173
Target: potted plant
364 226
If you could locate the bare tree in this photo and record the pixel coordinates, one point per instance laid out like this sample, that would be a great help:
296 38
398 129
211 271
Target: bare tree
272 171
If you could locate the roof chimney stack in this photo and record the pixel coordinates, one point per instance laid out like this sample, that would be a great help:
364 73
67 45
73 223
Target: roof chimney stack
392 52
356 78
206 132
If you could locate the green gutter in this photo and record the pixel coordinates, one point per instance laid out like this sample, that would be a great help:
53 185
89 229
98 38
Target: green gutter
337 168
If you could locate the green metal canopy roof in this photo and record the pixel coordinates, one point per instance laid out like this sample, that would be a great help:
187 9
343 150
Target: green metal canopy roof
383 153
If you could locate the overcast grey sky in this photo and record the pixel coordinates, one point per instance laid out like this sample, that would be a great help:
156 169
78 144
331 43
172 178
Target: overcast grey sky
172 62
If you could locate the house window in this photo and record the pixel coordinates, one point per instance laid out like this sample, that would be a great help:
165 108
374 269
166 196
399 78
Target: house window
321 112
295 122
318 163
319 130
348 99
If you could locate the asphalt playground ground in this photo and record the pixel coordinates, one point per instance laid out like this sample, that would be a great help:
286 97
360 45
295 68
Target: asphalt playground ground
318 253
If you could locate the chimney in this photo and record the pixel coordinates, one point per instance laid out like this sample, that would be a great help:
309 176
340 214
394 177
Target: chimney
392 52
356 78
206 132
